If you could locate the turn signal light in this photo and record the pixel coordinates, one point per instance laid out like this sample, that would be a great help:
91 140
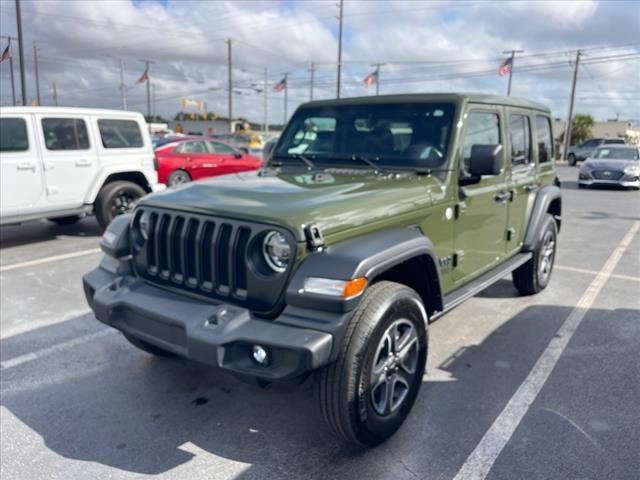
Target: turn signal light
354 287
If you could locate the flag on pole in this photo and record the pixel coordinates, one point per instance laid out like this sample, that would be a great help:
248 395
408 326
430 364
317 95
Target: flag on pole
505 67
145 76
6 55
281 85
371 79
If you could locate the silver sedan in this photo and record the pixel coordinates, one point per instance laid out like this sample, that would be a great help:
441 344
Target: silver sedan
612 165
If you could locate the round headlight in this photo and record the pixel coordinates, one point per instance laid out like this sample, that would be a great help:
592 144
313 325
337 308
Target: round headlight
145 220
277 251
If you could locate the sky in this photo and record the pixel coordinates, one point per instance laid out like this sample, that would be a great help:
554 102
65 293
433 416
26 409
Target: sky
423 46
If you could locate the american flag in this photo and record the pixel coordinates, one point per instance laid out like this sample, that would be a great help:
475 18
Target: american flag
281 85
6 55
505 67
144 77
371 79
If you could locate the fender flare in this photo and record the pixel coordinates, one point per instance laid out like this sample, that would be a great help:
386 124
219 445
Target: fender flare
105 173
368 256
546 196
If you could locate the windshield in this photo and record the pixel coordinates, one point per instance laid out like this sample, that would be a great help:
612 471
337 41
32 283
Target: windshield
617 153
414 135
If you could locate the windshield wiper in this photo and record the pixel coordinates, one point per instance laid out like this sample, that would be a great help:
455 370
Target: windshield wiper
298 156
369 162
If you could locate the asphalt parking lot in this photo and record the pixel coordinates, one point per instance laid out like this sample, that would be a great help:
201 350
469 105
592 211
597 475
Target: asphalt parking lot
542 387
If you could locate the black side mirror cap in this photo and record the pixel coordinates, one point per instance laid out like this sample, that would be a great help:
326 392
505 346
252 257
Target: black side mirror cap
237 155
486 160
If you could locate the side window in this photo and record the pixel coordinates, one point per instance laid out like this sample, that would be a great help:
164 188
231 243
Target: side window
544 139
120 134
482 128
194 147
520 135
13 135
221 148
65 134
614 141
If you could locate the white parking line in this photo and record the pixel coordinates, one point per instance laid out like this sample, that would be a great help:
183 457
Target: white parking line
593 272
30 357
54 258
481 460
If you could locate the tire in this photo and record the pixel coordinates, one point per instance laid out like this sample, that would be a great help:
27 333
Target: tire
534 276
70 220
178 177
116 198
147 347
572 159
354 408
580 185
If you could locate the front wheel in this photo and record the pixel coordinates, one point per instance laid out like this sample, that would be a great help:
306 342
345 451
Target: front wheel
116 198
572 159
368 392
534 276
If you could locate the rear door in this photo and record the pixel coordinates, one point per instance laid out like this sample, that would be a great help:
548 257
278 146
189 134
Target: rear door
69 157
21 179
480 230
521 172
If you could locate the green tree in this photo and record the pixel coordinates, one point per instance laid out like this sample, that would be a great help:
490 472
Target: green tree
581 128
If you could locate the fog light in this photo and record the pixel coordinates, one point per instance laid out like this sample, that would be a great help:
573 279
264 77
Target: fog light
260 355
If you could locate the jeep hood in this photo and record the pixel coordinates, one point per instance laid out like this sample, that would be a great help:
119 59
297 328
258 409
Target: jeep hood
333 201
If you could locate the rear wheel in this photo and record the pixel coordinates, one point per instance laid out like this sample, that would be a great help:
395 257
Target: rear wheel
70 220
368 392
572 159
116 198
178 177
534 276
147 347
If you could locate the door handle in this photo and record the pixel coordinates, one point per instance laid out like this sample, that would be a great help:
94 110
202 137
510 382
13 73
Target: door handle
503 197
83 163
26 166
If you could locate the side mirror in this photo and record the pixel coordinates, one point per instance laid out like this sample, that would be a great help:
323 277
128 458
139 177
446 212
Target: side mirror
484 160
237 155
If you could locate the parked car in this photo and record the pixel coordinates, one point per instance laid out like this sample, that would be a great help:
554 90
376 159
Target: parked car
193 159
578 153
612 165
65 163
160 141
334 263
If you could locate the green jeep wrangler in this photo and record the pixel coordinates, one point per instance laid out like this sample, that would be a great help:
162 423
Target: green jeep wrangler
373 217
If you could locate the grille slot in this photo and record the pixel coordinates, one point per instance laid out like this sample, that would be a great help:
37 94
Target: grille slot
613 175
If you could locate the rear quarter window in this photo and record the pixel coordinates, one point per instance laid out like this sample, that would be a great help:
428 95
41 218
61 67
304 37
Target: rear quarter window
13 135
120 133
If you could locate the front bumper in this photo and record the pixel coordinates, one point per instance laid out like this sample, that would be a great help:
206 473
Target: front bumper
620 183
220 335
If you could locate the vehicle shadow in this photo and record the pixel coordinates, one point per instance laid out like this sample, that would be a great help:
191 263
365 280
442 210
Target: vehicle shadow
43 230
105 402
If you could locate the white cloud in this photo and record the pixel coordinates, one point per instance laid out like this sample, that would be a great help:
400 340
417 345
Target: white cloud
80 42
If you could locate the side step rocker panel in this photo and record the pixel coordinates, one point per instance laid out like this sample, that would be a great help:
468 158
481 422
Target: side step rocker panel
485 280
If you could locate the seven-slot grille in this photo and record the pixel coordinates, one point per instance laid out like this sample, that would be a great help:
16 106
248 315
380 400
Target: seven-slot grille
203 255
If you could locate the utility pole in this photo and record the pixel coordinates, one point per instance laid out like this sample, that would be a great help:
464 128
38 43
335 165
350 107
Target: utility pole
313 71
13 82
153 100
55 94
35 63
378 65
266 91
123 87
146 69
341 6
567 130
229 66
513 59
23 82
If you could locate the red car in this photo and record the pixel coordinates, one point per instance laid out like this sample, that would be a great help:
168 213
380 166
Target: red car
194 159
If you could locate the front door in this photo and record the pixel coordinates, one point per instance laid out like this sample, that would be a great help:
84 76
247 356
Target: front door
20 166
480 229
70 158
